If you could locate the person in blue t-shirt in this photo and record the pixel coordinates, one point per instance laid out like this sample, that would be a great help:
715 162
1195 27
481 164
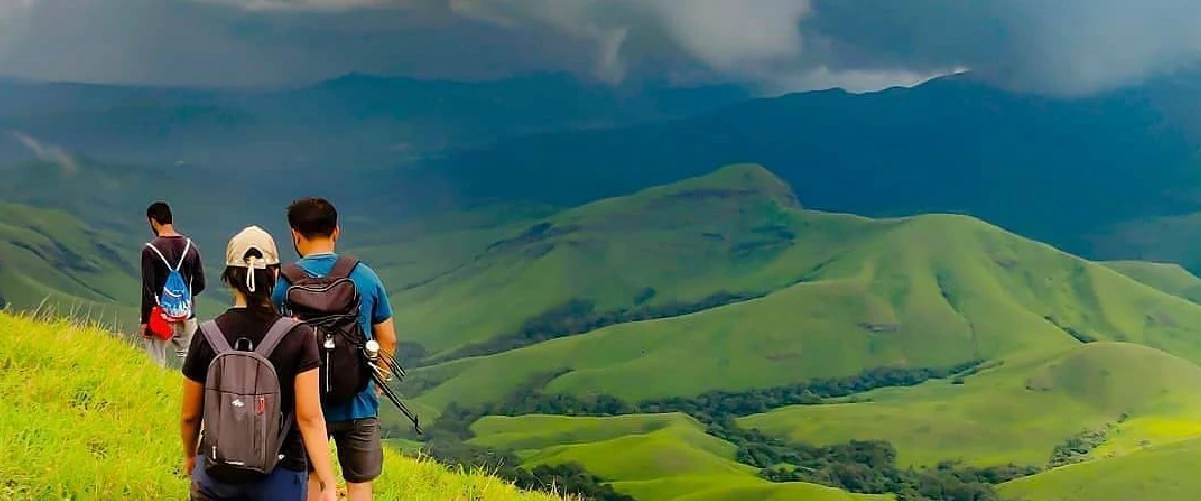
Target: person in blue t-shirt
353 426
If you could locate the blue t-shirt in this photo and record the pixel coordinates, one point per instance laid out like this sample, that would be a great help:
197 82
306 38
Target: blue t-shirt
374 308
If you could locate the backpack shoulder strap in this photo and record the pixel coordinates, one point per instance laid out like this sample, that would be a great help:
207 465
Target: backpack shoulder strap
187 246
215 337
293 272
343 266
160 254
276 334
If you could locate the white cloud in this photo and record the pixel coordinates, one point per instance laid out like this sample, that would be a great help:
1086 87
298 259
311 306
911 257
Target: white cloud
48 152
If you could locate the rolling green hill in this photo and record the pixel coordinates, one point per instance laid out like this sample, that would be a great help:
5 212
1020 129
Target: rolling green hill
1017 411
654 456
808 294
49 259
724 282
662 247
1162 473
86 417
1168 277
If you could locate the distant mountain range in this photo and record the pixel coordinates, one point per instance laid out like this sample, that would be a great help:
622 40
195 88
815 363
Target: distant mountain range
1063 170
351 120
1112 176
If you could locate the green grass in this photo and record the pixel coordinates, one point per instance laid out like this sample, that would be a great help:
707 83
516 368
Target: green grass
86 416
653 457
1017 411
1159 473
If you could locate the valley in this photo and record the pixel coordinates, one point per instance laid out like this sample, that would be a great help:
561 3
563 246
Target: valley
701 325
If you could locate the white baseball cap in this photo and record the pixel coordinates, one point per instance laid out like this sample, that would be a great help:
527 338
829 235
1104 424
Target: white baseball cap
251 237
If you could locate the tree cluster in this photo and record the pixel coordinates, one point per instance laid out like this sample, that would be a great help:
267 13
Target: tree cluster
1077 448
857 466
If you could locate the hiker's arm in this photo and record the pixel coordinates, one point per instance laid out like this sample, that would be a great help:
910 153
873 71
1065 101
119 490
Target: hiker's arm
385 334
382 325
198 281
189 420
149 269
311 422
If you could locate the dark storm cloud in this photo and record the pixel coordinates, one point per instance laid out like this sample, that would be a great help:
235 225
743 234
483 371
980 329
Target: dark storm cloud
1061 46
210 43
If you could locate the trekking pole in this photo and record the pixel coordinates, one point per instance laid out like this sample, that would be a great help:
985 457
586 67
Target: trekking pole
404 409
373 351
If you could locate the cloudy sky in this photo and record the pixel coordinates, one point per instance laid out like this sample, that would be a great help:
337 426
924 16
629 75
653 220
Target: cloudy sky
1060 46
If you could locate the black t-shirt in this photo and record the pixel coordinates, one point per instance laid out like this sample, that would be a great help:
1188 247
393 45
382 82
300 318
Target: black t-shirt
154 270
295 354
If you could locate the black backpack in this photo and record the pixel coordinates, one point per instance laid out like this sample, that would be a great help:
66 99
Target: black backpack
331 305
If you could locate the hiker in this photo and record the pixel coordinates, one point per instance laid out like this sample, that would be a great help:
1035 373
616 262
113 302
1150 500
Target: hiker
350 398
172 277
263 425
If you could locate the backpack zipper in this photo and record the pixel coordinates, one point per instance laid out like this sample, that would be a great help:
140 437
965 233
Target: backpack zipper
311 288
329 341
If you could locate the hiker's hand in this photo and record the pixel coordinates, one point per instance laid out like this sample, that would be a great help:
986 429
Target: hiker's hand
329 493
144 333
189 464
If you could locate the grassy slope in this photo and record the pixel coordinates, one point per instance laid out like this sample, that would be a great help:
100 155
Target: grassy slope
1161 473
87 417
1168 277
1043 399
928 290
687 241
655 457
417 252
47 254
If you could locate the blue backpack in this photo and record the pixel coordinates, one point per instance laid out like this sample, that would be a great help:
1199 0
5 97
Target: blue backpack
176 297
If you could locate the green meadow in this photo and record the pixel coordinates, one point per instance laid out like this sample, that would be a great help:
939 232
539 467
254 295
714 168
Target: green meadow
87 417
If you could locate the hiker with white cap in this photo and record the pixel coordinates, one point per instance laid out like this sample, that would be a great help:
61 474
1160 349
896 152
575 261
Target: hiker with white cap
251 378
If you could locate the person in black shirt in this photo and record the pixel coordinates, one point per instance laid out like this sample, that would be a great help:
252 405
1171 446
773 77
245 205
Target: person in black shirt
252 267
168 246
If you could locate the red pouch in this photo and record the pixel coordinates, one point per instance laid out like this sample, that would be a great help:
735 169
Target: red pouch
159 327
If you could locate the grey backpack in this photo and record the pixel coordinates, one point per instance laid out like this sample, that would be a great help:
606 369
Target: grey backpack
243 422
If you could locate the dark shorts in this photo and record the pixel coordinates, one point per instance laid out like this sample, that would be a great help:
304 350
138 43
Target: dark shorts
281 485
360 450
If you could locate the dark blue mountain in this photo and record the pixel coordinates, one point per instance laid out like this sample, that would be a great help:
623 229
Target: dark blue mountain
1054 169
353 120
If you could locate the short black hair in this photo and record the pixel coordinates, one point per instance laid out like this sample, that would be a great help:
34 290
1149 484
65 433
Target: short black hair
313 217
160 212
